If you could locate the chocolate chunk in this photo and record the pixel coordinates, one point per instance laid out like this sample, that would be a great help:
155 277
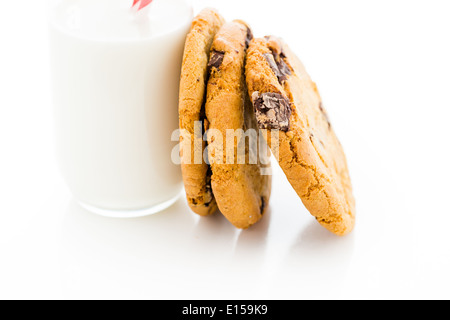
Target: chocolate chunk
321 107
208 196
279 66
249 37
263 205
325 114
273 65
216 59
284 70
273 111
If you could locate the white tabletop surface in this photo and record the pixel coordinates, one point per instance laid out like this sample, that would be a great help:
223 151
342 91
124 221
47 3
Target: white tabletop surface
383 70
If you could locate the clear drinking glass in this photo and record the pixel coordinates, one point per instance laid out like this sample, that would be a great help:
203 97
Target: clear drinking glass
115 77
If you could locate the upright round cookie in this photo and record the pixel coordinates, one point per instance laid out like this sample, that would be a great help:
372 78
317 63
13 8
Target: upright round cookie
194 76
287 102
240 181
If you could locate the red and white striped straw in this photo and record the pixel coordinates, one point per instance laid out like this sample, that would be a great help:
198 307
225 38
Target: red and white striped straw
143 3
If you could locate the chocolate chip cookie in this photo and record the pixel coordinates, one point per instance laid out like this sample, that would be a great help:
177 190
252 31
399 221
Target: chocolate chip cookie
287 102
194 76
240 185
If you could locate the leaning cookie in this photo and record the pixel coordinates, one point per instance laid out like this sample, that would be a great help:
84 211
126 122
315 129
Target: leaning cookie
288 103
241 186
194 76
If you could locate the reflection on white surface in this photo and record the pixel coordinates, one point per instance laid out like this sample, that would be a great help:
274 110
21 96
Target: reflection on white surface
178 254
317 253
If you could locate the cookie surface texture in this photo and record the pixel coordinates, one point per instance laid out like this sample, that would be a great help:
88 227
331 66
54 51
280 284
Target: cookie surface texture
286 100
194 76
241 186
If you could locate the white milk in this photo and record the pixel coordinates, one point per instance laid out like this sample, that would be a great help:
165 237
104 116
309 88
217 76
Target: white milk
116 74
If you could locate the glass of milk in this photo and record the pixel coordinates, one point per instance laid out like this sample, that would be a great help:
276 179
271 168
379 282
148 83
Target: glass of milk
116 74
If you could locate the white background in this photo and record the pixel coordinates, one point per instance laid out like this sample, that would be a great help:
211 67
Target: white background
383 70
